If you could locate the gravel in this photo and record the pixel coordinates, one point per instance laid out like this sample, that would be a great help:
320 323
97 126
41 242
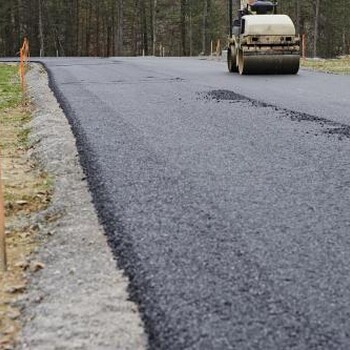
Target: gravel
80 299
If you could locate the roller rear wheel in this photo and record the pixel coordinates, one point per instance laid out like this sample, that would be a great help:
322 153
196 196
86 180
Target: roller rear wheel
231 59
241 68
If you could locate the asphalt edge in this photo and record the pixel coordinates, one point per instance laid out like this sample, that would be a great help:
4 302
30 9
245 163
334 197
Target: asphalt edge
120 244
43 162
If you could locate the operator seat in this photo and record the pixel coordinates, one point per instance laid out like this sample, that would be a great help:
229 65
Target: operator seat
262 7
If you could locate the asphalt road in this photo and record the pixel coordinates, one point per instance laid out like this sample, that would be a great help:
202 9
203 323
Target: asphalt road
226 198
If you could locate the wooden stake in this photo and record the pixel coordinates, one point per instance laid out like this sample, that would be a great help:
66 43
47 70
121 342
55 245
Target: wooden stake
3 259
303 42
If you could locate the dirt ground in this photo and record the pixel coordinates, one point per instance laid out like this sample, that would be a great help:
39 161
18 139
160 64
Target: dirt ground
26 190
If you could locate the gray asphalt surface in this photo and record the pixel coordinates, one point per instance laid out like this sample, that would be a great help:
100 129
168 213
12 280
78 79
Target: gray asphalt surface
230 216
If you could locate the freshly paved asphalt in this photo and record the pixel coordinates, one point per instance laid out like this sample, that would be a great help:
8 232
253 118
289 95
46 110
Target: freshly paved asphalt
226 198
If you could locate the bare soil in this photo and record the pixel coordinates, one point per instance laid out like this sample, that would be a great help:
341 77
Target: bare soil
27 190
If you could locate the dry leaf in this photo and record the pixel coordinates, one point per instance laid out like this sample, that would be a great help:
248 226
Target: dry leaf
36 266
10 330
13 315
23 264
16 289
21 202
5 341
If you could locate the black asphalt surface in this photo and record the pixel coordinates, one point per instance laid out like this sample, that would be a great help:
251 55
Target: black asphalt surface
226 198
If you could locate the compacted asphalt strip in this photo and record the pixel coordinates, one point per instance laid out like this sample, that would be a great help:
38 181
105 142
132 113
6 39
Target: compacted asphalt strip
226 199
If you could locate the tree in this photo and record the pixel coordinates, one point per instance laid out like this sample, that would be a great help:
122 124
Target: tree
134 27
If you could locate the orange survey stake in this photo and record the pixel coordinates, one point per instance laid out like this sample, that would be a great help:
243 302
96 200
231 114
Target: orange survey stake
24 54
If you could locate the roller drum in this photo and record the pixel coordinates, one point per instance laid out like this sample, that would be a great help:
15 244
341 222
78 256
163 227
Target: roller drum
268 64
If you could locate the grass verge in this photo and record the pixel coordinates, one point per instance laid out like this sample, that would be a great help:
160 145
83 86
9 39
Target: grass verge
339 65
26 190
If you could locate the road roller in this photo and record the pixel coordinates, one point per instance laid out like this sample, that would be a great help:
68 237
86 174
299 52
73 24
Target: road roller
261 41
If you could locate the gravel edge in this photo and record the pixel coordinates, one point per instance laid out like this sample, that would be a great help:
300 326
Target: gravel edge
80 299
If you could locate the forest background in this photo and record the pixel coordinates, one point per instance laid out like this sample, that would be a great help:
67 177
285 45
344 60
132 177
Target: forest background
155 27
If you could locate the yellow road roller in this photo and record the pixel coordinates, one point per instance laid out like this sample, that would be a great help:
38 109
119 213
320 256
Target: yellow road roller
262 41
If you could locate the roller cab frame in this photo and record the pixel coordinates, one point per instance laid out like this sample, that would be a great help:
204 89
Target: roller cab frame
264 42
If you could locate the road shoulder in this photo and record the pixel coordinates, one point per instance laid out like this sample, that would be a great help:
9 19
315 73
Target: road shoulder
79 300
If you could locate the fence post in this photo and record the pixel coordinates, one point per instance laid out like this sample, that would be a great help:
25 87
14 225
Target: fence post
3 259
303 43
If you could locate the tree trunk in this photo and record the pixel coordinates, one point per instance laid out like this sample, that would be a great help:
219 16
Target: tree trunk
144 29
297 16
97 51
183 27
154 29
88 29
120 36
191 29
77 26
41 33
316 27
204 27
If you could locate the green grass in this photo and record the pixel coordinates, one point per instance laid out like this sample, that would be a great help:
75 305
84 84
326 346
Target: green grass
337 66
13 114
25 183
10 90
